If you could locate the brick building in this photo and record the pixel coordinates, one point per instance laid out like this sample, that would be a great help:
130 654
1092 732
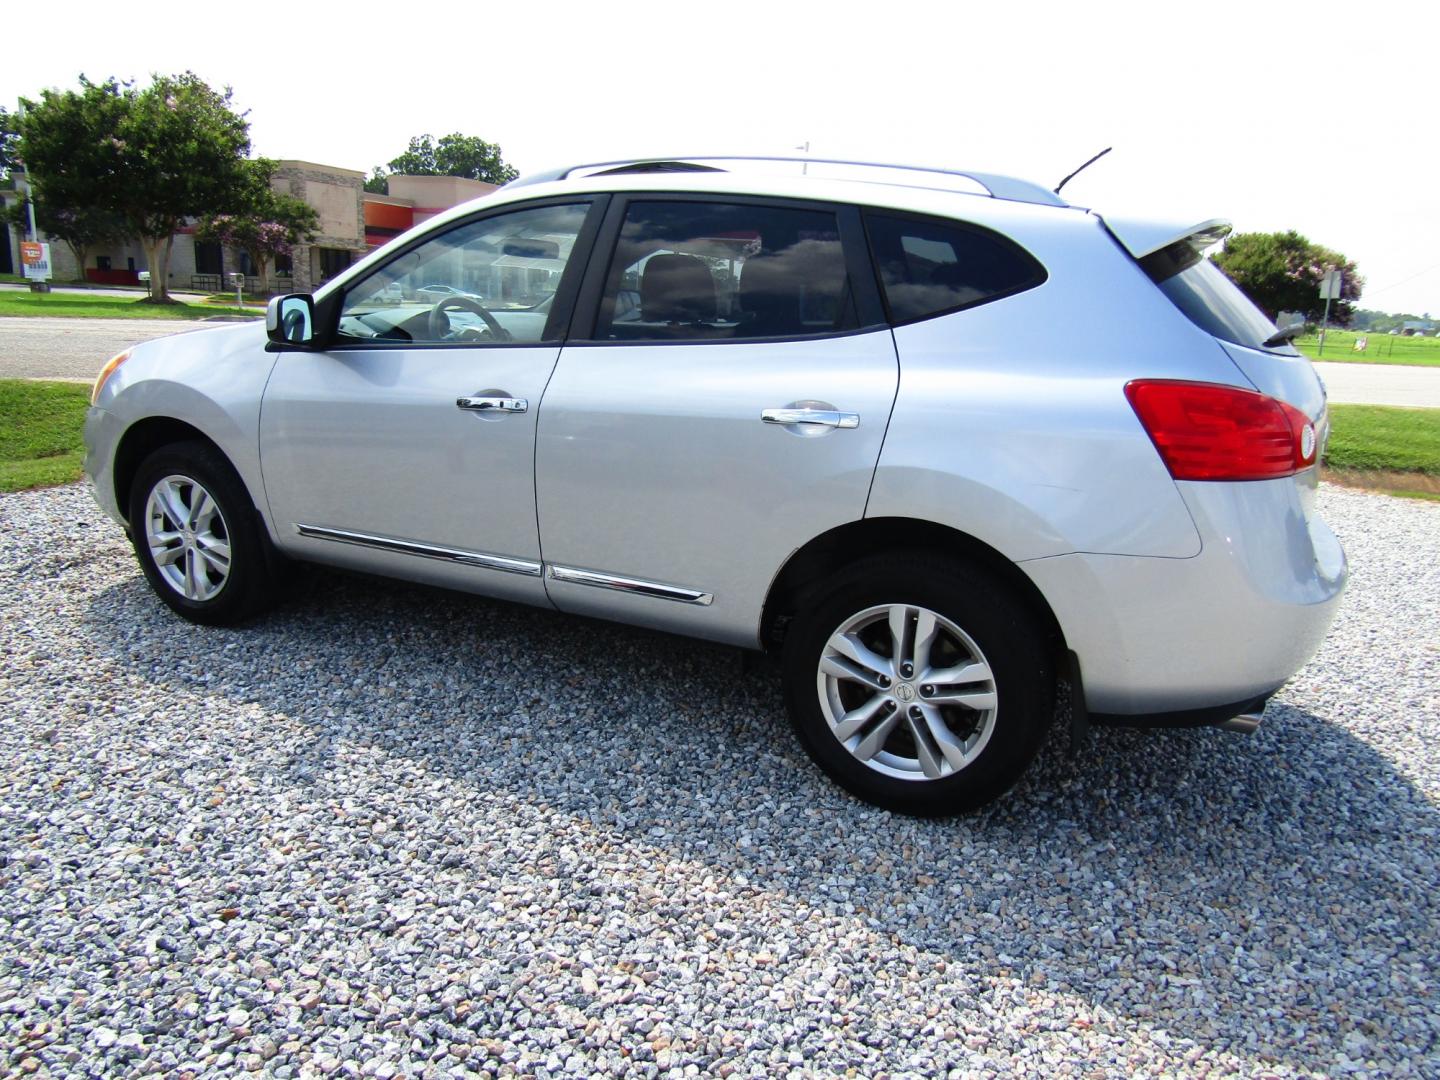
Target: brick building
352 222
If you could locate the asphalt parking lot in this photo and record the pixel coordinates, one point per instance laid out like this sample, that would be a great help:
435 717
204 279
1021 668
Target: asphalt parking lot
385 832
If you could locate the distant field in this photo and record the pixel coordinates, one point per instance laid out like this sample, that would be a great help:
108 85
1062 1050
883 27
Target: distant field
1380 349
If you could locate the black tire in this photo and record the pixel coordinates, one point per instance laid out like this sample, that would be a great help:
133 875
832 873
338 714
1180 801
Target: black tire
1010 640
247 585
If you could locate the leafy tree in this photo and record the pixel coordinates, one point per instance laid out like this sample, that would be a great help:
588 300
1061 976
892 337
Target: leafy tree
153 157
377 184
79 228
454 155
9 137
1383 322
266 224
1282 272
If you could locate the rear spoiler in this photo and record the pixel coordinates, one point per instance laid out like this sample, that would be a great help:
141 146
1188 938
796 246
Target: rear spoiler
1142 237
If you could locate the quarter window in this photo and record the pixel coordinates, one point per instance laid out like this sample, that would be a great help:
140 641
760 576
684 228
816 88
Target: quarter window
692 271
486 282
930 267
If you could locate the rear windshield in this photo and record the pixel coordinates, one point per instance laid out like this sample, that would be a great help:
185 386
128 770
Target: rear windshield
1208 298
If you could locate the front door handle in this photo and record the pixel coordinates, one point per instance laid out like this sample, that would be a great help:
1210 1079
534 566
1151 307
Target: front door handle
493 404
821 417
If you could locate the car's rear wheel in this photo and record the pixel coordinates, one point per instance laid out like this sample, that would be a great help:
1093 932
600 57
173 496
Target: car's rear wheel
197 536
919 684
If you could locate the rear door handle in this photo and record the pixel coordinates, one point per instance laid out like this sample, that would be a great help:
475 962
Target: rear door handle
493 404
820 417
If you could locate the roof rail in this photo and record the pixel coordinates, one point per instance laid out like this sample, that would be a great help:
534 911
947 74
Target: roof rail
999 187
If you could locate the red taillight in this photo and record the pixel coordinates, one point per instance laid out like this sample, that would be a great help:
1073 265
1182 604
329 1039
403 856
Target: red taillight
1209 432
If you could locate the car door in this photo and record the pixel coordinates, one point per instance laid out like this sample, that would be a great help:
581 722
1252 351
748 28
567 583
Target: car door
407 446
726 405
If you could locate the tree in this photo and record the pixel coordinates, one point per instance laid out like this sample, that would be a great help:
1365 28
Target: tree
79 228
266 224
377 184
153 157
454 155
9 137
1382 322
1282 272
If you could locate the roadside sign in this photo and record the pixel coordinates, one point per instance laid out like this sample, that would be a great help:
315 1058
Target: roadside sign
1330 285
35 260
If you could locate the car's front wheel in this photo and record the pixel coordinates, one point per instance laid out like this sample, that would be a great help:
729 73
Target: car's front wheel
197 537
919 684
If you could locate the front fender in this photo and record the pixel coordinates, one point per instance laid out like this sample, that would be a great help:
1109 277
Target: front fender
212 381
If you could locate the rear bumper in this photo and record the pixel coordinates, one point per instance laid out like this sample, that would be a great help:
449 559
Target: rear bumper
1200 635
1211 716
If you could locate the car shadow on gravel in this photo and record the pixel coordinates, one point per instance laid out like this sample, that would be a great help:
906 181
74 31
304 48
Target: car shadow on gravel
1253 892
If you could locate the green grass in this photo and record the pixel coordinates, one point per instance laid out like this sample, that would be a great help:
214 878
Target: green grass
40 442
78 306
1380 349
40 426
1380 437
229 298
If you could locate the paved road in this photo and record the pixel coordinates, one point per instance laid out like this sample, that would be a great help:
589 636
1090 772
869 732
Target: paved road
43 348
1381 384
77 348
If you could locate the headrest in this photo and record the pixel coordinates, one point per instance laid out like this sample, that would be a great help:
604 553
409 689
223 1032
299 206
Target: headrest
677 288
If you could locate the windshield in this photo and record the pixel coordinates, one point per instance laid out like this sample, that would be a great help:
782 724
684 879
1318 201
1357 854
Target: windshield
1208 298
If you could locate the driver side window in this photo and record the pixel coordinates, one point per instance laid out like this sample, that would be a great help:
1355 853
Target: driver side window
485 282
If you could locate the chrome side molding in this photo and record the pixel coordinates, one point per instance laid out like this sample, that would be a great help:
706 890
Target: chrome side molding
503 563
506 564
639 587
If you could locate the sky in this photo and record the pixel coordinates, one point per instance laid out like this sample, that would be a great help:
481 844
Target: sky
1317 117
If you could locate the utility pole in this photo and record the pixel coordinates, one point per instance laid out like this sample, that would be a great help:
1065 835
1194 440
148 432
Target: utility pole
1330 286
29 191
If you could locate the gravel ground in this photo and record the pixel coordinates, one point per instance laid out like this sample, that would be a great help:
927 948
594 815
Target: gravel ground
389 832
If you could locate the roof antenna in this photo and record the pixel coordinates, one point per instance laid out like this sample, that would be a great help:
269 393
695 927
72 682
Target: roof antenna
1082 168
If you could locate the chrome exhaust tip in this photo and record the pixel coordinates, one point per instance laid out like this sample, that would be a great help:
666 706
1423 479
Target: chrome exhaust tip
1244 724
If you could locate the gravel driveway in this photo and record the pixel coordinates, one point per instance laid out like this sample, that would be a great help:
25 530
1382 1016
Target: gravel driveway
390 832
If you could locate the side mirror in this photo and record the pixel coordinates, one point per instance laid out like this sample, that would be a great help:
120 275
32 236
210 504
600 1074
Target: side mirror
290 320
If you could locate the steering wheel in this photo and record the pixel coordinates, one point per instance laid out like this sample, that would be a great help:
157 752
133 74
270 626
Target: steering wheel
440 325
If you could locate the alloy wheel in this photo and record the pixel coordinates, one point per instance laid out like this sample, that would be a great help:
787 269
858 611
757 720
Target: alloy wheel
907 692
187 537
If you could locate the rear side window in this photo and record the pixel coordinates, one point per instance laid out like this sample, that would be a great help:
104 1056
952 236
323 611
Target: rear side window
930 266
1208 298
710 271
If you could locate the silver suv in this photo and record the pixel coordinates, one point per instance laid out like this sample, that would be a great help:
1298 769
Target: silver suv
939 441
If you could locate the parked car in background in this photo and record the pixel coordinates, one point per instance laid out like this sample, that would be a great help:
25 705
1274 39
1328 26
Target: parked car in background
435 293
937 441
